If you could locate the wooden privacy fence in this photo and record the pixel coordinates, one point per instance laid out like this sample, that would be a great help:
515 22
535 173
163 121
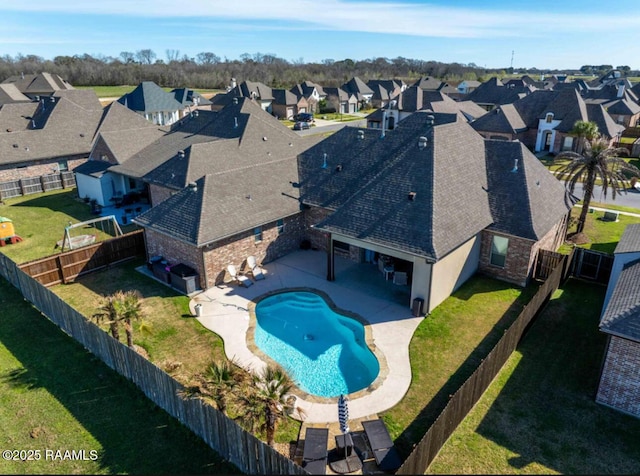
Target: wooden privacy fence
65 267
592 265
44 183
470 392
225 436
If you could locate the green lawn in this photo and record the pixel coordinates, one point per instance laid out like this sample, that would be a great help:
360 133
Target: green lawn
539 415
118 91
54 395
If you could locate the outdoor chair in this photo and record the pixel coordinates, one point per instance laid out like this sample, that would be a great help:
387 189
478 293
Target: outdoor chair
380 441
255 270
239 278
314 457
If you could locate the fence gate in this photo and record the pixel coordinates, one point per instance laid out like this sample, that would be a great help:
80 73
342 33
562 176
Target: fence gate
546 262
592 265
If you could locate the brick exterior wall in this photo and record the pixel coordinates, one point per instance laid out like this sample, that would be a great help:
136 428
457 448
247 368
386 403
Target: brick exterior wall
158 194
620 380
211 261
317 238
521 254
37 168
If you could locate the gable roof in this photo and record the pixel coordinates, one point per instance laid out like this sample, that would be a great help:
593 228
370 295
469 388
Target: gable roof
358 88
495 92
284 97
9 94
189 97
503 119
429 83
148 97
38 84
370 193
622 315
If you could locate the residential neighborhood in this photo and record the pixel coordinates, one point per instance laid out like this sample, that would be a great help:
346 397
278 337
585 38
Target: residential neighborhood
394 200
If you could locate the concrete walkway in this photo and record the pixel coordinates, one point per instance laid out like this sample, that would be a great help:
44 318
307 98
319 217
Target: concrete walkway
225 311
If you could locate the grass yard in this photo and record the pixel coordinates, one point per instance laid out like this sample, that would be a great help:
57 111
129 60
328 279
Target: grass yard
118 91
55 395
446 349
539 415
40 220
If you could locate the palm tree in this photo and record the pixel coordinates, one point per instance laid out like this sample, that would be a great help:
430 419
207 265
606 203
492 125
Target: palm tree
267 401
120 307
584 131
597 161
220 381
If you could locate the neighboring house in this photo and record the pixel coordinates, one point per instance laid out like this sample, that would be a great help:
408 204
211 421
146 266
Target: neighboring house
190 100
259 92
312 92
619 386
429 83
340 100
286 104
493 93
385 90
414 99
153 103
10 94
121 134
224 187
467 86
36 85
437 198
47 137
543 120
360 90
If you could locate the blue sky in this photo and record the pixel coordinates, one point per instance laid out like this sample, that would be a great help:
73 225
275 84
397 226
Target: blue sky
546 34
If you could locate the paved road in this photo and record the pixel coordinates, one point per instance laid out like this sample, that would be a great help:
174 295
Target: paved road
331 126
629 199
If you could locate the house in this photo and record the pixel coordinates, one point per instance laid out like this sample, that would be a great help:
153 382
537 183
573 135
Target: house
414 99
190 100
341 101
544 119
385 90
120 135
47 137
259 92
435 198
286 104
493 93
35 85
467 86
619 385
429 83
312 92
223 186
153 103
360 90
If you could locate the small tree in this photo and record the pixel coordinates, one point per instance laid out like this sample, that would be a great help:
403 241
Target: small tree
220 381
120 307
585 131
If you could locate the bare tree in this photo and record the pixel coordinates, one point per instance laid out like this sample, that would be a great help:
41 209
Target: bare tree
145 56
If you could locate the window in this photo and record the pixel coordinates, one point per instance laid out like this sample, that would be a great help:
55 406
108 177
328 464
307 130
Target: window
63 166
280 226
549 117
499 246
257 234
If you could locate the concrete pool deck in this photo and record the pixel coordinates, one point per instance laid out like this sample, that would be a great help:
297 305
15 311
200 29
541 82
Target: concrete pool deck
225 311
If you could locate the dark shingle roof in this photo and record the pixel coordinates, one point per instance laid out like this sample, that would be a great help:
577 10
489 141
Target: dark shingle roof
622 315
38 84
189 97
148 97
503 119
372 189
495 92
630 240
526 200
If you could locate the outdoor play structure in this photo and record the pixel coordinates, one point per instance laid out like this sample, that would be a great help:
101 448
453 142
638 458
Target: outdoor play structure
72 241
7 232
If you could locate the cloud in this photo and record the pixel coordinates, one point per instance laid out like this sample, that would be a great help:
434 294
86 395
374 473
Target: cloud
413 19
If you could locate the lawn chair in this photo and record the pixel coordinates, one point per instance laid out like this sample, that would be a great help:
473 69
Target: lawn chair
239 278
314 457
384 452
255 270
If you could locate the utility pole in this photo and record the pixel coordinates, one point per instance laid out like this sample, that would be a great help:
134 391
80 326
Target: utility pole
512 51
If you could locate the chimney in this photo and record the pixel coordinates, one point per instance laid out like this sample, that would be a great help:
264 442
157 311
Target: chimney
233 83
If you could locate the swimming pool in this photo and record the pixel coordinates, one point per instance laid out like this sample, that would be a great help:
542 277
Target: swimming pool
324 352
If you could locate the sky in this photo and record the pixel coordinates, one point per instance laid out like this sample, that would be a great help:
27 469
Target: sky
545 34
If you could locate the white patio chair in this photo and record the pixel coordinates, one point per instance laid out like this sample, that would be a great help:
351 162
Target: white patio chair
239 278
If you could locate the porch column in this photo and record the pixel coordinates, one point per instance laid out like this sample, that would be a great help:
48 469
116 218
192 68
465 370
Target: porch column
330 259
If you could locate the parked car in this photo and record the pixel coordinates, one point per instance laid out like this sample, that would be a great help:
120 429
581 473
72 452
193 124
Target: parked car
303 117
301 126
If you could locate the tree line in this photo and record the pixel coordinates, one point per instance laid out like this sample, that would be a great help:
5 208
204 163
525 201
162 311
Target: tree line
208 70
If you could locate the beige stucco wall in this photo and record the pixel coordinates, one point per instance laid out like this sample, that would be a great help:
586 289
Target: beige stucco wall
453 270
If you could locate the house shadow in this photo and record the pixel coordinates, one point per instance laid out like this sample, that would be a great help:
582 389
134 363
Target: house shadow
123 421
428 415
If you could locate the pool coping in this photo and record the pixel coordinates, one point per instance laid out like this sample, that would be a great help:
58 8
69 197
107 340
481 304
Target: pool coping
368 336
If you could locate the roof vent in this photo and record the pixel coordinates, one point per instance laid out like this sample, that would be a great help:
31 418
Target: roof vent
412 196
52 99
430 120
324 161
33 123
181 153
361 135
235 122
515 166
339 168
196 113
235 100
26 148
264 138
422 142
193 186
82 134
15 146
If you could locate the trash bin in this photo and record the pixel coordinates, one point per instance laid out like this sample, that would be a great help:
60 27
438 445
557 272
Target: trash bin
418 304
198 309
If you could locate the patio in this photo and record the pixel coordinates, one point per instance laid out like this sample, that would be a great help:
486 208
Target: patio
358 288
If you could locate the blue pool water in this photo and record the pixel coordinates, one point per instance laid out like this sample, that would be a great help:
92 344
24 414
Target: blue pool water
324 352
